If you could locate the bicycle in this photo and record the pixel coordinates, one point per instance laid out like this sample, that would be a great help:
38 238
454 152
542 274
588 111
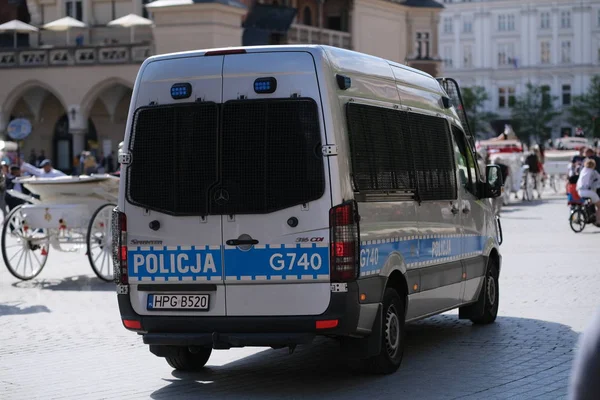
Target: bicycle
583 212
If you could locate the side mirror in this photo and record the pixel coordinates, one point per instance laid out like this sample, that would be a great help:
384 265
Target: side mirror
493 184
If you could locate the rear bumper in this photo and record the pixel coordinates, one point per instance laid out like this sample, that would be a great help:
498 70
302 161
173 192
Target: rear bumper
224 332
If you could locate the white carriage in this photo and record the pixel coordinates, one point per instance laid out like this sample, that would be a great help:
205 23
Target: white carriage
74 213
556 167
510 153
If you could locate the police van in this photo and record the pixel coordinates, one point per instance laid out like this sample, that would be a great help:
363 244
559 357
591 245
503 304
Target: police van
273 194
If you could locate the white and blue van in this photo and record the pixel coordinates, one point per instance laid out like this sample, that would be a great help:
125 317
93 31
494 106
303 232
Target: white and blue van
273 194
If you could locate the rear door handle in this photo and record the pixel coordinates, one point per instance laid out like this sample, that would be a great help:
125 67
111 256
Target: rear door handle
241 242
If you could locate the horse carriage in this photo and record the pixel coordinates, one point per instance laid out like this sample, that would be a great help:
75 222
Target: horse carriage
509 153
556 166
72 212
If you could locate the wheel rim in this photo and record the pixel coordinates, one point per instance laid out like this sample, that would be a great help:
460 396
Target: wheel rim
577 221
100 243
392 331
491 290
25 249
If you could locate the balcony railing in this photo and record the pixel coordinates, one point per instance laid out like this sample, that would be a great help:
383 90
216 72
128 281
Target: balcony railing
305 34
60 57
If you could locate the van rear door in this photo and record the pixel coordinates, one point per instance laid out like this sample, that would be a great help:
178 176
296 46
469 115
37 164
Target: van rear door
174 244
274 193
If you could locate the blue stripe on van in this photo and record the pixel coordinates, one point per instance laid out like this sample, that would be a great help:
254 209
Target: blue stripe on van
290 262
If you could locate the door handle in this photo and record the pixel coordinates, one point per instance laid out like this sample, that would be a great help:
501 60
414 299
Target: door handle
241 242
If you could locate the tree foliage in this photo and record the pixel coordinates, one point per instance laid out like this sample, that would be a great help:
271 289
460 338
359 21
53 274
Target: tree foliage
585 111
474 99
534 112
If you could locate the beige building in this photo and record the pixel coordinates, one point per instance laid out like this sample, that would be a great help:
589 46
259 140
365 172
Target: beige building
76 95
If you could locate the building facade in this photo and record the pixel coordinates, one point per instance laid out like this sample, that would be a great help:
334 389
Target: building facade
503 44
76 93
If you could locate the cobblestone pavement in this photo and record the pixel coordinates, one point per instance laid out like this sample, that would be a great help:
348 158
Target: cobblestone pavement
61 337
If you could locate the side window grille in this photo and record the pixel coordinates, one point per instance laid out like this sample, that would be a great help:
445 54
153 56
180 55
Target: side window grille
394 151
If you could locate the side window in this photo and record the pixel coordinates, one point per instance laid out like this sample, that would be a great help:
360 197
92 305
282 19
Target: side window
466 161
394 151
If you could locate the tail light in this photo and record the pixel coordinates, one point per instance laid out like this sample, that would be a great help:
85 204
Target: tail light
119 222
345 242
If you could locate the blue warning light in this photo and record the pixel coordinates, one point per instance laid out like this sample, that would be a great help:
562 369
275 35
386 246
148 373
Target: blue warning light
181 91
265 85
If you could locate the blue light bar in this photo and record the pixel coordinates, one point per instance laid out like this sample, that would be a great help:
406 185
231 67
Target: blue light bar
181 91
265 85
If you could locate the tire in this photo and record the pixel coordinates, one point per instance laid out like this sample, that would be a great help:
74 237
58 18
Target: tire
393 333
491 293
12 223
577 220
105 270
188 361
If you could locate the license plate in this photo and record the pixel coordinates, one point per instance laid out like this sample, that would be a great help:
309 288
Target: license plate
192 302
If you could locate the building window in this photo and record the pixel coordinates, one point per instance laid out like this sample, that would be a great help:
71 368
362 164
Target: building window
506 54
467 25
145 12
501 22
565 19
467 56
74 9
565 54
566 131
510 23
545 20
545 52
506 97
448 25
566 95
422 45
448 56
307 16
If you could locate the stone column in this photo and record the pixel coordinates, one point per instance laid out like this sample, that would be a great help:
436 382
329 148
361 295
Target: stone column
194 26
78 125
3 124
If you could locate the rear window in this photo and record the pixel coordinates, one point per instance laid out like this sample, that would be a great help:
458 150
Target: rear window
263 156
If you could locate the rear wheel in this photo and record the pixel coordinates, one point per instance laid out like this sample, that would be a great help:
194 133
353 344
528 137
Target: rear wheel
392 330
185 360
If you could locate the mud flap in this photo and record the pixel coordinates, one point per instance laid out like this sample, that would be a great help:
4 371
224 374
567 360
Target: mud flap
476 309
368 346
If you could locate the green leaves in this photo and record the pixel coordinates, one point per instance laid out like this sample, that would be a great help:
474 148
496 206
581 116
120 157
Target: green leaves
474 99
533 113
585 111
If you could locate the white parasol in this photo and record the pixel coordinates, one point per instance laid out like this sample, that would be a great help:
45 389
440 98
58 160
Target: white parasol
64 24
131 21
15 26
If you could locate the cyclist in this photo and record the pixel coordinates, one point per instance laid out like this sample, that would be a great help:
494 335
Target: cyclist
588 183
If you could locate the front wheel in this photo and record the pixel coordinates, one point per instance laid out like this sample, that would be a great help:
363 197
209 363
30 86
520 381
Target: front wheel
491 293
392 330
185 360
577 220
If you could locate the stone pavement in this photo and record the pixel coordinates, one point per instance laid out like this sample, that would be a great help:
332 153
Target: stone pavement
61 337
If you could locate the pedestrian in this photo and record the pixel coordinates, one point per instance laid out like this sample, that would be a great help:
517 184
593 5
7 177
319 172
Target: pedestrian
33 158
584 381
40 158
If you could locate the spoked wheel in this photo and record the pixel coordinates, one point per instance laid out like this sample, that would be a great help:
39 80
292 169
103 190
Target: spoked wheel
99 242
24 249
577 220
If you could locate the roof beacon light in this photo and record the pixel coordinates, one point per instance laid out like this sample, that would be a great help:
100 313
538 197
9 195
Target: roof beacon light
181 91
265 85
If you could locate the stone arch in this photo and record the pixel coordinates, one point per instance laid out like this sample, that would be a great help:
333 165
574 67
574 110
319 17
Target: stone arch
17 93
92 95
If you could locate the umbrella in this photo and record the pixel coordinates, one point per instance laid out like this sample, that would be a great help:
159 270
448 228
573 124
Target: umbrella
64 24
131 21
17 26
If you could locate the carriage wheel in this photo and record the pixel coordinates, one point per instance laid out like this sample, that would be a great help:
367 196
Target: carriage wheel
99 242
24 249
